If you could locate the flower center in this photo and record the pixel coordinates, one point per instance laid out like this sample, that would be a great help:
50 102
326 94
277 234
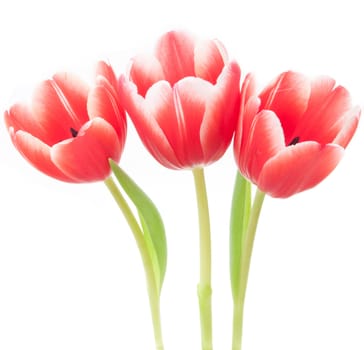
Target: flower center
294 141
74 132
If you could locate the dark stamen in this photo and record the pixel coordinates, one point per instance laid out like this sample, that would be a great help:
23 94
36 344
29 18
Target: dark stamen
74 132
294 141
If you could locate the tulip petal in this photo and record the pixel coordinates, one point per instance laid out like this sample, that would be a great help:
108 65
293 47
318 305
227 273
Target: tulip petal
347 131
145 123
54 114
222 110
103 103
163 104
175 52
249 106
105 70
264 141
298 168
210 59
19 117
321 87
288 97
38 154
190 97
245 119
86 156
73 93
248 88
145 70
324 122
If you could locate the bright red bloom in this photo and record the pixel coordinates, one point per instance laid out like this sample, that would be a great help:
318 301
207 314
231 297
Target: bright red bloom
70 130
183 100
294 134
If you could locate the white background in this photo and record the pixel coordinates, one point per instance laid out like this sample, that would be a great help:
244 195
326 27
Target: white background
70 274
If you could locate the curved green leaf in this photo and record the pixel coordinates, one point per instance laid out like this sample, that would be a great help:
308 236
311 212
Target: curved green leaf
151 221
240 212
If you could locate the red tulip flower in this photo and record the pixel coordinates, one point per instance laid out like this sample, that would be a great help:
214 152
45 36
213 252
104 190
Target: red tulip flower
183 100
69 130
184 103
291 136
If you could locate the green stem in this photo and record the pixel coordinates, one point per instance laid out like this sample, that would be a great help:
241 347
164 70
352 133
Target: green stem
153 290
204 286
247 248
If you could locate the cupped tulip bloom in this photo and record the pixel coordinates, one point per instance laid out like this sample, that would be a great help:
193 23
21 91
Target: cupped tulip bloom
291 136
69 130
183 100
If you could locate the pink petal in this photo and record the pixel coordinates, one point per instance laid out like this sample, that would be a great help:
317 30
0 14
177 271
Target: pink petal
246 116
209 59
249 106
105 70
19 117
37 153
103 103
85 157
288 97
190 96
145 70
175 51
73 92
321 87
141 114
298 168
324 122
222 110
160 105
347 131
248 88
54 114
264 140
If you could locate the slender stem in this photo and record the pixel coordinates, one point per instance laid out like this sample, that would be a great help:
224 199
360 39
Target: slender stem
204 286
153 290
247 248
